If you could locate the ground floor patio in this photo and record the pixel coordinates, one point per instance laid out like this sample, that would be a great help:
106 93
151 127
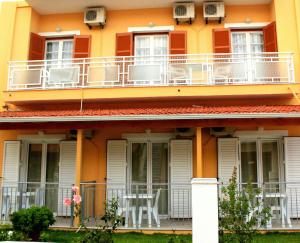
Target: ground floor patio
148 166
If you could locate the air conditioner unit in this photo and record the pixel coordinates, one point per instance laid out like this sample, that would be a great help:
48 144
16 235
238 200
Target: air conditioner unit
222 131
95 17
184 12
184 132
213 11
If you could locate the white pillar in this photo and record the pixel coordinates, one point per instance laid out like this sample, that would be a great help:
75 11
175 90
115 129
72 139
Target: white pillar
205 210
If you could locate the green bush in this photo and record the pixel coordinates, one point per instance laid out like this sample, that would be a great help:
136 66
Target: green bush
241 213
32 221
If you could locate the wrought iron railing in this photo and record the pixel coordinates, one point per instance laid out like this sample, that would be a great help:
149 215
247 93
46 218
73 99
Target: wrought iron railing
165 70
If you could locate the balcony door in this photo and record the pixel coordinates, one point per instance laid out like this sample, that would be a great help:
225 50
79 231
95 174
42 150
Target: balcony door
150 61
246 45
43 173
149 170
260 162
60 69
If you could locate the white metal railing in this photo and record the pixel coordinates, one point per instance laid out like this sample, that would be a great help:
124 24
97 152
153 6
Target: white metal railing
165 70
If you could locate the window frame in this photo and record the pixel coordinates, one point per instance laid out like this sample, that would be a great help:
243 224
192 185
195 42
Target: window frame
60 51
248 38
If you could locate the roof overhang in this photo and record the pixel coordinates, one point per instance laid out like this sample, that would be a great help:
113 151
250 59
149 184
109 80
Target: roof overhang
147 117
73 6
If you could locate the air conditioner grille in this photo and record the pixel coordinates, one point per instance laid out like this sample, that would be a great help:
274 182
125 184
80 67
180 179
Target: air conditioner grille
181 10
211 9
91 15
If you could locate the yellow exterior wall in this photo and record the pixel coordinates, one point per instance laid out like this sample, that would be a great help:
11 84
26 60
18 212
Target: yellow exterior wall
287 23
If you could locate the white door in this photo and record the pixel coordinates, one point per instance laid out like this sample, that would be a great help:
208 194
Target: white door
150 61
246 45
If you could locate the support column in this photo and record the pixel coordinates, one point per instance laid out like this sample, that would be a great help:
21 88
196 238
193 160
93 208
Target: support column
198 157
205 210
78 177
79 157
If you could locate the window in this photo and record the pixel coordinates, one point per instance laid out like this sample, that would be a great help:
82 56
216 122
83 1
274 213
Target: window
59 49
247 42
151 45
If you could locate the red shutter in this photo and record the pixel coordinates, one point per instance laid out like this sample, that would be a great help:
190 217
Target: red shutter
37 47
221 41
178 42
270 38
124 44
82 46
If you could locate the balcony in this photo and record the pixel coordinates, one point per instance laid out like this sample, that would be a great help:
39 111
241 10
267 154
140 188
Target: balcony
152 71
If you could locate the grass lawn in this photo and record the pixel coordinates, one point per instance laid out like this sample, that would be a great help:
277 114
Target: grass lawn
62 236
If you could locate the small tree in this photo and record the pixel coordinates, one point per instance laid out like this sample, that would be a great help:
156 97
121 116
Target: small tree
241 212
32 221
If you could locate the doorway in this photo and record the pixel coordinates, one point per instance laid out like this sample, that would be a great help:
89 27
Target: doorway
149 170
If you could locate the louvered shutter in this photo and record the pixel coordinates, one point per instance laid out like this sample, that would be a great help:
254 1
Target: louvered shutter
270 38
82 46
124 44
11 161
116 169
181 175
37 47
12 152
292 174
227 158
67 171
221 41
178 42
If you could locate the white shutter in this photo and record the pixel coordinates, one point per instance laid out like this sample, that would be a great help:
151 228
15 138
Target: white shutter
11 161
227 158
181 175
67 172
116 169
292 172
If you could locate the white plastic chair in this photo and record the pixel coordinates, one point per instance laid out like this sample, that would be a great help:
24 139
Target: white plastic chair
153 210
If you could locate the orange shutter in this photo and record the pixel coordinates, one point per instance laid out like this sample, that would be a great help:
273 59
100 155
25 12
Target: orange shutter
82 46
178 42
270 38
221 41
37 47
124 44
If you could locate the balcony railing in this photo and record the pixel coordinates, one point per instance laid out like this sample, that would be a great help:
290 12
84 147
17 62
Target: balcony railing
165 70
155 206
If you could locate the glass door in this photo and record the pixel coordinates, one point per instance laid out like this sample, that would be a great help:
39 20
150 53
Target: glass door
270 164
149 172
43 174
249 162
150 62
52 176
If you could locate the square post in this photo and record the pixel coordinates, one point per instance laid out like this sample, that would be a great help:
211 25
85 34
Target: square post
205 210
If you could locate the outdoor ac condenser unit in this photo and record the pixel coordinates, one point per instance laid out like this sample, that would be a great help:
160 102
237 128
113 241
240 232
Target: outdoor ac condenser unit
184 12
213 11
95 17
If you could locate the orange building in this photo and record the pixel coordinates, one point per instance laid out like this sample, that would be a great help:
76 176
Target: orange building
132 99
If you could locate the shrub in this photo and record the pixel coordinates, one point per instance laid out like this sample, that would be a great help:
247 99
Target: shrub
32 221
103 233
241 213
